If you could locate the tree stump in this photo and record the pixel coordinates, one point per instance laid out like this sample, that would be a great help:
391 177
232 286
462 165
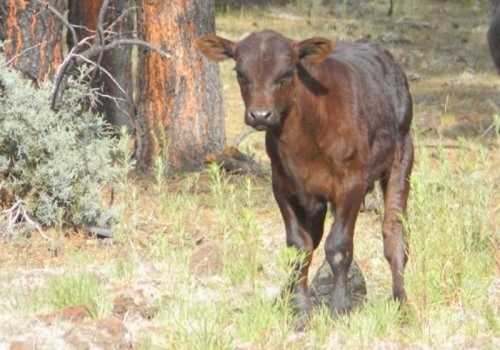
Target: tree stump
322 285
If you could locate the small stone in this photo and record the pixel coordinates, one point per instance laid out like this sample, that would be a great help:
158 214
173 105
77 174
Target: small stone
21 345
75 314
394 38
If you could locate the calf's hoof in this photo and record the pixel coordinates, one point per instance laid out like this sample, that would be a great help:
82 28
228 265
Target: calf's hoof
322 287
301 307
399 297
300 304
340 305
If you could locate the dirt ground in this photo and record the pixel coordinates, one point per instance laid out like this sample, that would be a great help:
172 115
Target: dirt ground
441 45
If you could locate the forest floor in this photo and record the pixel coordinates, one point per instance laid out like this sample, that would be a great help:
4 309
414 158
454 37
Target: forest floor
198 261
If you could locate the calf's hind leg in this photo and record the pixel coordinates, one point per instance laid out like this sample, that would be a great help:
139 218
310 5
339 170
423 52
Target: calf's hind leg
396 186
304 229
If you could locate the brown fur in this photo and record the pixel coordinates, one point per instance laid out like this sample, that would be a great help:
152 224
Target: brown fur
335 123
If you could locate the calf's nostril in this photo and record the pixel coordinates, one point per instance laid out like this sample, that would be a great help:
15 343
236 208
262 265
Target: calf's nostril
260 115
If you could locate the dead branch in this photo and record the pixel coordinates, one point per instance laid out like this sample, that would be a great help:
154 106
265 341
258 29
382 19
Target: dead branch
121 17
99 232
3 10
15 219
95 50
62 18
233 161
85 57
100 35
242 136
22 53
102 69
61 77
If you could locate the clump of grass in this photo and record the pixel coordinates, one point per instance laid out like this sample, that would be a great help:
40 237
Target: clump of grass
83 289
197 325
451 252
377 319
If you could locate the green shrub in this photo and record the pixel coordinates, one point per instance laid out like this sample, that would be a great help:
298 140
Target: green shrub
56 163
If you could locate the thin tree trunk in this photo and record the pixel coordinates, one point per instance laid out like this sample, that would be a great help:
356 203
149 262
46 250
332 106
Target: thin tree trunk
117 62
3 16
33 37
180 100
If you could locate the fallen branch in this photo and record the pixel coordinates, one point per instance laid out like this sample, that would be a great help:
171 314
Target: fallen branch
242 136
233 161
99 232
15 219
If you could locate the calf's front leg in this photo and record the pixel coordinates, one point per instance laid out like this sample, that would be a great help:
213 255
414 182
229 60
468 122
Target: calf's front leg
339 243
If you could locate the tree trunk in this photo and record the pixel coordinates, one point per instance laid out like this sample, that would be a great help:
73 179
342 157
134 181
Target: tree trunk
118 62
3 16
180 99
33 37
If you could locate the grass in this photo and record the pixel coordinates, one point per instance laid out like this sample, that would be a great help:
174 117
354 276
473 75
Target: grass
452 264
79 290
231 224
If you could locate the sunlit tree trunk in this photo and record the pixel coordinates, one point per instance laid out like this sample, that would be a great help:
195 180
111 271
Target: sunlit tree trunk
180 99
118 62
33 37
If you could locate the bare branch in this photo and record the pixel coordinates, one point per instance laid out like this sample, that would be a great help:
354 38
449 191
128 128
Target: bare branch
61 76
120 18
101 68
243 135
100 34
102 14
95 50
3 10
100 232
22 53
61 18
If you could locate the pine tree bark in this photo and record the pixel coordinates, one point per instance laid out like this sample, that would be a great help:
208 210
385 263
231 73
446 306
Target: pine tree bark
33 37
118 62
3 16
180 100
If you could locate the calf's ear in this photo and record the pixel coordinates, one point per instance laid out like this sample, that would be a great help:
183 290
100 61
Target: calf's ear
215 48
314 50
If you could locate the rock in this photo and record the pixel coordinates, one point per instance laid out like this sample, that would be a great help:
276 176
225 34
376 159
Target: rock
74 314
21 345
322 285
412 76
109 333
394 38
123 305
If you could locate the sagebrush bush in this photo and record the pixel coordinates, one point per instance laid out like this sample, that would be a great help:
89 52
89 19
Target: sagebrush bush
55 162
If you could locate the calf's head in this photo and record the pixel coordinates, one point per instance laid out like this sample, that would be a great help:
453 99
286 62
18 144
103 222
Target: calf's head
266 68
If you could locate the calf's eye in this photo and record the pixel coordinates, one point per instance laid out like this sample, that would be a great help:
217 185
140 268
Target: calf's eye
284 79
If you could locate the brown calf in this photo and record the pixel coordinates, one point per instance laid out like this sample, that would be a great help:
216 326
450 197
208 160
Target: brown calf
336 121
